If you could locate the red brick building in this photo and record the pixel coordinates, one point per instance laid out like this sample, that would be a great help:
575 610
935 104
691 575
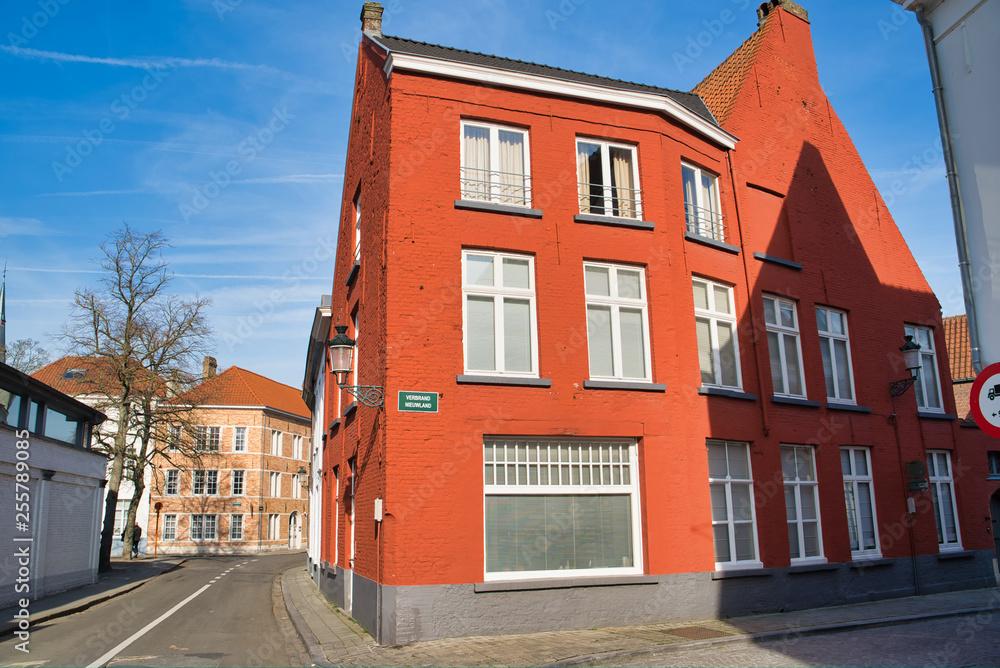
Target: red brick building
662 328
248 491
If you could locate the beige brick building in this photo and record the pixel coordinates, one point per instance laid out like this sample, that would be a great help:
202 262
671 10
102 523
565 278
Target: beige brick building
247 492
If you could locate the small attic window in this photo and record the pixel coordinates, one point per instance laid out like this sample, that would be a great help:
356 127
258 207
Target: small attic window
74 374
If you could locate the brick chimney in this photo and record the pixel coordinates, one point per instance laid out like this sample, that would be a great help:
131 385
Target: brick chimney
371 19
208 367
767 8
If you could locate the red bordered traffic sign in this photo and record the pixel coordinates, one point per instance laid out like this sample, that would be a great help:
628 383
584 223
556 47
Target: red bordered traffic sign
985 400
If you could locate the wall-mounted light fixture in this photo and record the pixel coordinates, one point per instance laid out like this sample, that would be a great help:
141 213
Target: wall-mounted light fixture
911 360
341 358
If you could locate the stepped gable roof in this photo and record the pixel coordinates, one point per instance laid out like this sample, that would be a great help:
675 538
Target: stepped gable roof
689 101
78 375
722 86
239 387
956 336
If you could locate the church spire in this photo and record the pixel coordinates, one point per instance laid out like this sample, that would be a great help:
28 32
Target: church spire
3 315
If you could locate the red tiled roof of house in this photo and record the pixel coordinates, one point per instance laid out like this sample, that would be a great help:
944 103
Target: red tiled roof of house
75 375
239 387
722 86
956 336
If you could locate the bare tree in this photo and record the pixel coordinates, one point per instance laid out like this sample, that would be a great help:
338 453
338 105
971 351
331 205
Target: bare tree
27 355
143 343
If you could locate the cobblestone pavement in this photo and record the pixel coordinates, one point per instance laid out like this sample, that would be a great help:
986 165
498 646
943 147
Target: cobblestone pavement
334 639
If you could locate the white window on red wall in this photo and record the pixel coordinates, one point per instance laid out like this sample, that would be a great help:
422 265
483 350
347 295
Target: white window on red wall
835 348
927 384
170 527
608 176
561 508
203 527
942 482
239 439
701 203
730 482
617 322
782 323
495 164
798 469
235 527
715 322
859 497
171 484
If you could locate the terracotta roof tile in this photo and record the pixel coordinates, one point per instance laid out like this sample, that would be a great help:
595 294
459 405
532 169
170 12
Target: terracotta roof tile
75 375
239 387
722 86
956 335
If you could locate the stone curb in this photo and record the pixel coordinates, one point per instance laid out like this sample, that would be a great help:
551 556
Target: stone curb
313 646
7 627
763 636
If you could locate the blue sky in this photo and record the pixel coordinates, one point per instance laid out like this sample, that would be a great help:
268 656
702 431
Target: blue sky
224 124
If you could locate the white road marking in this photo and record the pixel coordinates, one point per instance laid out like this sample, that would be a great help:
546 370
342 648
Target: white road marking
144 630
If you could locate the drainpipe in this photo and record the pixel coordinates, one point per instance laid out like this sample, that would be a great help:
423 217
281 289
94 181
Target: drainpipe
957 209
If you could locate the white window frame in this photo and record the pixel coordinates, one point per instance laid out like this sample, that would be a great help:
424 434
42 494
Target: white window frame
357 228
616 302
173 438
200 524
274 485
232 525
714 318
171 480
498 293
239 439
275 443
495 186
703 218
927 352
852 482
606 172
296 447
730 522
826 340
205 480
522 487
169 530
799 488
937 482
274 526
356 326
784 331
239 476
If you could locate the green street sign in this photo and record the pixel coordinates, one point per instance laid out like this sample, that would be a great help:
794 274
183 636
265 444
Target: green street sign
420 402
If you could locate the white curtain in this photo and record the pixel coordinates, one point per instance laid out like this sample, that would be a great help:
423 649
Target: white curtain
583 177
513 189
624 185
476 163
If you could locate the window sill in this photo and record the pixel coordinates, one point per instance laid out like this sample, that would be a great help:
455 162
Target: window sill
492 207
792 401
503 380
713 243
752 570
334 424
616 221
814 567
930 415
623 385
871 562
564 583
834 406
723 392
957 553
354 273
351 407
763 257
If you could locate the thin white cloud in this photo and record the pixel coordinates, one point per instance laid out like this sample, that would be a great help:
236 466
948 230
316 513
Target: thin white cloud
141 63
88 193
293 178
25 227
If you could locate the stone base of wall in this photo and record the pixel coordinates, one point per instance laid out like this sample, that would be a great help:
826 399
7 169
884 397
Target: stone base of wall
415 613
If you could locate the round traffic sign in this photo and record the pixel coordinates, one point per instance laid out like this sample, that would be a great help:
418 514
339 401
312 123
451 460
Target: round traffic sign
985 400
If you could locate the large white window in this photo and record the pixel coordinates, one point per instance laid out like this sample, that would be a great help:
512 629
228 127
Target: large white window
715 321
296 447
203 527
617 323
274 526
172 482
173 438
608 176
783 347
561 508
274 484
701 203
939 474
206 439
275 442
235 527
239 480
855 464
798 469
495 164
206 482
170 527
927 385
835 347
239 439
730 485
499 315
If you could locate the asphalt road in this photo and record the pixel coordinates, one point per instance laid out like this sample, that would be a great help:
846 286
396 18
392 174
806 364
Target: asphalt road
971 640
212 611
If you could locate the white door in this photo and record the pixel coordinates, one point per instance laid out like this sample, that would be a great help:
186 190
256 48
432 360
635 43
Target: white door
294 533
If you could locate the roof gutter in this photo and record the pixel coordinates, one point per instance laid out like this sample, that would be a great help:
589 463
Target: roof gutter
957 208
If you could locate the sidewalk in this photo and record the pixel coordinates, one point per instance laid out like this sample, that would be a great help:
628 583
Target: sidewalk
333 639
125 575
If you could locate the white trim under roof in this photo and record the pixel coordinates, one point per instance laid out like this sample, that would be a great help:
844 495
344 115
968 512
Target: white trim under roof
534 82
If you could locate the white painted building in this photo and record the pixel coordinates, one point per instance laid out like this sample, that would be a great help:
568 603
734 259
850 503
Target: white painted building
314 394
52 490
964 41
